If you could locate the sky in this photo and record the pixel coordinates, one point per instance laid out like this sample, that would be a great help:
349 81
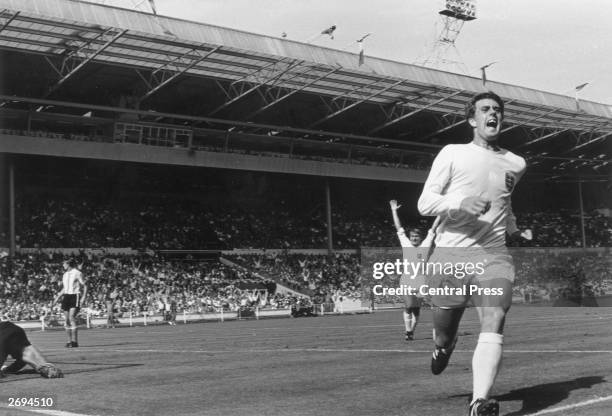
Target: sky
549 45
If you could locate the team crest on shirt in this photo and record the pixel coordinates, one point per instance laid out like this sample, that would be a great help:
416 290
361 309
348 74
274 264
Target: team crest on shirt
510 181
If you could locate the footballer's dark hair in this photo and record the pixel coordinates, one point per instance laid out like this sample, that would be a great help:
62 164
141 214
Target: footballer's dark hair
470 106
415 230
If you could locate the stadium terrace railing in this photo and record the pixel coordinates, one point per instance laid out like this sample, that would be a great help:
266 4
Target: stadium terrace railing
148 318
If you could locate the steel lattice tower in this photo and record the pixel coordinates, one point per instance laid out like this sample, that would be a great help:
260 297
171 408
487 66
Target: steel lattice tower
443 54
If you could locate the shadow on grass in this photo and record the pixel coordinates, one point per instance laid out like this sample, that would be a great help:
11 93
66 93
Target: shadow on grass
30 373
542 396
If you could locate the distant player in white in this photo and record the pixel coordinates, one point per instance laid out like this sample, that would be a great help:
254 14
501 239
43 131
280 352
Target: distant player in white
412 308
469 187
72 300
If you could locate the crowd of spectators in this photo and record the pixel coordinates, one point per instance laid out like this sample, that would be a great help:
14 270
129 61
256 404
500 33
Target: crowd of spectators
549 275
322 276
137 284
562 228
166 224
89 223
144 283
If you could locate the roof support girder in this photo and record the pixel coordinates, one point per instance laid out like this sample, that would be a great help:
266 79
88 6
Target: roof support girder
279 98
5 20
526 122
547 136
267 75
454 120
413 113
250 75
353 91
77 58
542 138
161 76
354 104
589 142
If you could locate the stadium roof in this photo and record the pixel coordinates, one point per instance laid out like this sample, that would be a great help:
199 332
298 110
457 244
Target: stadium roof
415 104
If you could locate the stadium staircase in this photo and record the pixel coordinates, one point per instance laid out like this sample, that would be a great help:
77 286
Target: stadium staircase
280 288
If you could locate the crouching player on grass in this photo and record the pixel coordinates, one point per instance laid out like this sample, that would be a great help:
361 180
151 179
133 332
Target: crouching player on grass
14 342
469 187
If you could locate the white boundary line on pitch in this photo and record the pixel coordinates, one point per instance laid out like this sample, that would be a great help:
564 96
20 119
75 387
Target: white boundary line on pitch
571 406
49 412
534 320
469 321
357 350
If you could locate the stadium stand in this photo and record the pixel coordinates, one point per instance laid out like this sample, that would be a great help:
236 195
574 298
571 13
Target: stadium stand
172 222
140 282
315 273
556 275
136 168
108 206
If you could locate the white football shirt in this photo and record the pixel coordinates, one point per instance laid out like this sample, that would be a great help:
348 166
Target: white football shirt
405 241
72 281
463 170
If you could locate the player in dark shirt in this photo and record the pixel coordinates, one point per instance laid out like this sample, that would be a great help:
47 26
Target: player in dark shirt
14 342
